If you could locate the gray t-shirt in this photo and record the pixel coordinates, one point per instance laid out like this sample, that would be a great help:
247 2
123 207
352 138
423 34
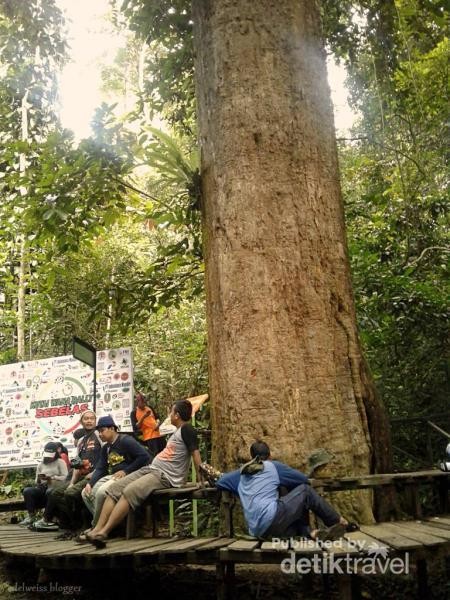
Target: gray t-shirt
57 470
175 459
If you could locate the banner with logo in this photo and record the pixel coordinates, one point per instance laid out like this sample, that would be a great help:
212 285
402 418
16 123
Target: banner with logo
42 400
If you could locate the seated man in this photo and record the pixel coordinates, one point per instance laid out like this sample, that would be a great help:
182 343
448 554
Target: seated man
120 455
169 468
268 515
65 501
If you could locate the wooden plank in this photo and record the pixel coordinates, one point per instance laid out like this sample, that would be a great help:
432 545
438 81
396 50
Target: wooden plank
443 534
365 542
244 546
24 542
377 479
174 546
444 519
117 547
216 544
12 505
437 522
183 546
397 541
298 546
415 534
342 547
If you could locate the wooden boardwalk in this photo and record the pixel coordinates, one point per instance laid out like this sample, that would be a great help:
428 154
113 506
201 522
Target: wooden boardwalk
395 538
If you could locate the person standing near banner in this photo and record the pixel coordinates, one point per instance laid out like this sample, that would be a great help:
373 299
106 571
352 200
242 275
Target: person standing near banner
145 424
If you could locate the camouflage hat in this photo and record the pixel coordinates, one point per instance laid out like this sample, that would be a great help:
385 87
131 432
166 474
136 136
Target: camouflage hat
317 458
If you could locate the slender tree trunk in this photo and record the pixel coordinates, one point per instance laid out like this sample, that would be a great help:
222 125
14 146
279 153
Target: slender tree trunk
21 285
284 358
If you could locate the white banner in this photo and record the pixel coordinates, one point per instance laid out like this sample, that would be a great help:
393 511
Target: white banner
42 400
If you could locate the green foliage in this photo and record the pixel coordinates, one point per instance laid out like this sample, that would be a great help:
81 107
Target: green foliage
166 26
394 176
15 482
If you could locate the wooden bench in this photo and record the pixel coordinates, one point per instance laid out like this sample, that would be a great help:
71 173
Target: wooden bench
401 482
11 505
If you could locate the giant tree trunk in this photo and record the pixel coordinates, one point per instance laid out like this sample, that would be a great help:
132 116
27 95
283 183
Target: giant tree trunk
284 357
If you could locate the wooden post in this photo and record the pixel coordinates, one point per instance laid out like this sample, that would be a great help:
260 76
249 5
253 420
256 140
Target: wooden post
429 446
228 505
443 490
416 508
344 583
171 518
225 577
422 579
131 524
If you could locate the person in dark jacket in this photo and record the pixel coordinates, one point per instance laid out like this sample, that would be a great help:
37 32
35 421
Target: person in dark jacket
121 454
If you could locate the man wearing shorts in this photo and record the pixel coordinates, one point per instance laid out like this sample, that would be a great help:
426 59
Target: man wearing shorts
169 468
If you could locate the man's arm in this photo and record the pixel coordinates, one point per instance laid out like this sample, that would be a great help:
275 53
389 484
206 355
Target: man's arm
289 477
136 451
229 482
197 459
101 468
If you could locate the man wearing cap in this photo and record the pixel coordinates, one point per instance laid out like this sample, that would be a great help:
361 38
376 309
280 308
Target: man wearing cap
65 502
120 455
50 473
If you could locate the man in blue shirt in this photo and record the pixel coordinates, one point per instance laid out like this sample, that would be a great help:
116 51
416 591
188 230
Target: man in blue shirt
269 515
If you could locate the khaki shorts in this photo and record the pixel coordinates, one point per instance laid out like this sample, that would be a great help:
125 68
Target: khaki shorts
138 486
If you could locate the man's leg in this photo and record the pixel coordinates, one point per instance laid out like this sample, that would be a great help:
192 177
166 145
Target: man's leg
53 500
90 500
72 504
113 495
107 508
100 498
294 508
34 497
133 496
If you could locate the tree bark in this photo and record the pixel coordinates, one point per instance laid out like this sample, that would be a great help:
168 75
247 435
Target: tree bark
284 357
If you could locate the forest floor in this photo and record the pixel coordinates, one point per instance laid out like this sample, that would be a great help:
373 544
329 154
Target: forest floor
19 582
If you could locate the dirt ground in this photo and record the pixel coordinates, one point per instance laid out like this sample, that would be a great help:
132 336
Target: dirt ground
19 582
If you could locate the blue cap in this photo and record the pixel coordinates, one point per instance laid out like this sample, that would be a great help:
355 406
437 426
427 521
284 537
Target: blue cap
106 422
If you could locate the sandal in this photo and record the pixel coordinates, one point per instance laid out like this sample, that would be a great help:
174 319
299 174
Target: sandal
82 538
65 535
98 540
330 534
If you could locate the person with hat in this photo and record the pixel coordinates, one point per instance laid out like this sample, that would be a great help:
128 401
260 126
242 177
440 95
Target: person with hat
120 455
65 502
50 473
267 514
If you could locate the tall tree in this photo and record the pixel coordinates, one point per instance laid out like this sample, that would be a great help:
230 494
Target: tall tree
284 358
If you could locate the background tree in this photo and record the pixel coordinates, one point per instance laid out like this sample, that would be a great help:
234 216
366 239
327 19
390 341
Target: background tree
394 175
